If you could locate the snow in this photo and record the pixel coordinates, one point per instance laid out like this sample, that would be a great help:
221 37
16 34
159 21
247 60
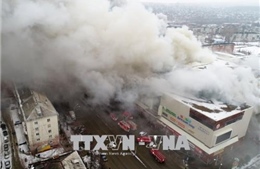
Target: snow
216 108
253 163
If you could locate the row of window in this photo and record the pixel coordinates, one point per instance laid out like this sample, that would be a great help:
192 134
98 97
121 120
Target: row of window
37 128
37 134
38 139
48 120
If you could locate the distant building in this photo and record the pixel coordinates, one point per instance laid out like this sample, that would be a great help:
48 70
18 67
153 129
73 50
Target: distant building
221 47
211 127
40 119
245 37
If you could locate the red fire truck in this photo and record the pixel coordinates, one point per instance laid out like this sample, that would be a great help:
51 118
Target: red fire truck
124 125
145 139
113 116
132 124
127 115
158 155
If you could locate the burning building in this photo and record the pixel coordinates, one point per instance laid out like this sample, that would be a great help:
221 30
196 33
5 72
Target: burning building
210 126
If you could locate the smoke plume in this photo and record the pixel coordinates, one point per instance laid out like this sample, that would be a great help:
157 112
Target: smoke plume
109 50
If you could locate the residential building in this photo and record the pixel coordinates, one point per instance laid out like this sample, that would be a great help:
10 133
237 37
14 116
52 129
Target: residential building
221 47
40 119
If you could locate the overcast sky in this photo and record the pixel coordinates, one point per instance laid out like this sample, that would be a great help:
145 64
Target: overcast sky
228 2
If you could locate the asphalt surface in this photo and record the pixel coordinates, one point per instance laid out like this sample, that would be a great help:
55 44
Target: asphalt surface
98 122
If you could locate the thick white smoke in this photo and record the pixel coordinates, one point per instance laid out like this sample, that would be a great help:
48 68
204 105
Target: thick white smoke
108 51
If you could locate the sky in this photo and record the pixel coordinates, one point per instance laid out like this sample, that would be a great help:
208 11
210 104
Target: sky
228 2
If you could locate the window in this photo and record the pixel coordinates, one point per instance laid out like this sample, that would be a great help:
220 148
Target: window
49 131
223 137
234 118
36 128
36 122
49 125
38 139
203 119
37 134
48 120
50 136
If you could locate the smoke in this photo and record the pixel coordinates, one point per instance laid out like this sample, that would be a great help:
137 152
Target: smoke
109 50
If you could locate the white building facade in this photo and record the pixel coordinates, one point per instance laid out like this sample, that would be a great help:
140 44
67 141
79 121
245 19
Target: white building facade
211 128
40 119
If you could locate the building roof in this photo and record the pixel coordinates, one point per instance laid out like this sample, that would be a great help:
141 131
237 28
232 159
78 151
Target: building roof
214 110
35 105
73 161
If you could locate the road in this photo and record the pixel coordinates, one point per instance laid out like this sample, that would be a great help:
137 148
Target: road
98 122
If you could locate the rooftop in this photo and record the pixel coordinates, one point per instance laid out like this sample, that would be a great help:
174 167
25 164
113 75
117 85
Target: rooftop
35 105
214 110
73 161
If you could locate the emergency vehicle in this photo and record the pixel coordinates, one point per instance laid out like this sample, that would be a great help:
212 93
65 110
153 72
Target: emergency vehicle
158 155
133 126
127 115
145 139
124 125
113 116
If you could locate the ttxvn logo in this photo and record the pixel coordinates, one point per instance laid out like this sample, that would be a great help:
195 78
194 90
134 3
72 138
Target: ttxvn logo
124 142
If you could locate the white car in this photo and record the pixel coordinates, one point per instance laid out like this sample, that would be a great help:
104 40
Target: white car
143 133
112 144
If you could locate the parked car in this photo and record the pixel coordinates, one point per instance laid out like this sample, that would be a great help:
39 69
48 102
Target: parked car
143 133
6 154
5 133
17 123
112 144
7 163
3 126
6 147
104 157
6 139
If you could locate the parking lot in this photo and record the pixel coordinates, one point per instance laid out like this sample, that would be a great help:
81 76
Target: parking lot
5 148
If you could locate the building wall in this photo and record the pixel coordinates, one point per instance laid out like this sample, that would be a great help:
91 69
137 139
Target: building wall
42 131
221 47
178 113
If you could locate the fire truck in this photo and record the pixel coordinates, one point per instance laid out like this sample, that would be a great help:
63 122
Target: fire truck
113 116
158 155
127 115
133 126
124 125
145 139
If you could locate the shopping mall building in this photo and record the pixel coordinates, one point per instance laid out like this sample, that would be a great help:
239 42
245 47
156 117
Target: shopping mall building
211 127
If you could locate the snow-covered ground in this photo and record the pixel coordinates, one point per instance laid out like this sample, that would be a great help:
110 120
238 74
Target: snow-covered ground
254 163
